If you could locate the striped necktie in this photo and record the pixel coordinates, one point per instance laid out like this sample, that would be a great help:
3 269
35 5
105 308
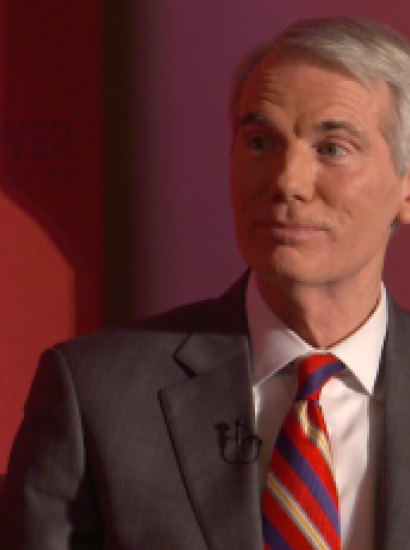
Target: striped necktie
300 502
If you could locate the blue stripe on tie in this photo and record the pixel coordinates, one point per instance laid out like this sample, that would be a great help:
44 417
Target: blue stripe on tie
299 464
272 537
316 379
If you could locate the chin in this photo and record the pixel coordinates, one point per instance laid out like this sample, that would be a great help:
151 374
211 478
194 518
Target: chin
279 271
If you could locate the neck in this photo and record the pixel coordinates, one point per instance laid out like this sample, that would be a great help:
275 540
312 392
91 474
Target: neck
321 317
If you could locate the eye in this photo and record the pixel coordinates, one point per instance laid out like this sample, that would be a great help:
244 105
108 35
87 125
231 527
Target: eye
331 149
258 143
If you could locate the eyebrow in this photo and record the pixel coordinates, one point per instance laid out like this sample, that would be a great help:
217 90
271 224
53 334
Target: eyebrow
329 125
254 118
323 127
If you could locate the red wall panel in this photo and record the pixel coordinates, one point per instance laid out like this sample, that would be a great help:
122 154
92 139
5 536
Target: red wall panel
50 187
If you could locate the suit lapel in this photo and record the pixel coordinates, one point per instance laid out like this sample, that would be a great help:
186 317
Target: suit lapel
397 423
201 413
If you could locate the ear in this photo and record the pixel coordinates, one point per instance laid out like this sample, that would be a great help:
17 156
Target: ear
403 215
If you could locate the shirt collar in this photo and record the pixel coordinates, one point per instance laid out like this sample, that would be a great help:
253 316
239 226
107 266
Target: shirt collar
274 345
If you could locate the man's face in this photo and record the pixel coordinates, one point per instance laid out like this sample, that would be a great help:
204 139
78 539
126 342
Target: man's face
313 189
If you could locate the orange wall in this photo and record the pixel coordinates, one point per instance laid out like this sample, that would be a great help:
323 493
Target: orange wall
50 187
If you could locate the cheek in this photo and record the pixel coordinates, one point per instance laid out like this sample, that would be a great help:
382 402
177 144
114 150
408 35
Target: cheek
239 188
248 181
379 199
367 203
239 204
347 190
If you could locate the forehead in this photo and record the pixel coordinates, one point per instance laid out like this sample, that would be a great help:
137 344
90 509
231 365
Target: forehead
305 87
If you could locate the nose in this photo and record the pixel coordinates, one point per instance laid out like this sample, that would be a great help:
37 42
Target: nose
293 175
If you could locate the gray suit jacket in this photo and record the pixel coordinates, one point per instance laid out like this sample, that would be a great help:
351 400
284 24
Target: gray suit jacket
122 445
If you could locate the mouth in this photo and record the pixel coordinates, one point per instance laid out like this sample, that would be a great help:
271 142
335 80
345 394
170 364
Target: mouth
290 231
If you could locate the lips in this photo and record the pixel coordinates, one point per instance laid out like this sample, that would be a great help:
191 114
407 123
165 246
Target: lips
289 230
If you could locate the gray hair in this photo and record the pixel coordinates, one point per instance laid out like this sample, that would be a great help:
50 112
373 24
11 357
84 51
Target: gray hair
369 51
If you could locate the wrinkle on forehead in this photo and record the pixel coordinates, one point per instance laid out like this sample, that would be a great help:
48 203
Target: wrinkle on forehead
268 85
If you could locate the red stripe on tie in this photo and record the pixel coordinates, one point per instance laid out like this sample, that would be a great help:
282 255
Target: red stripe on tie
311 363
309 450
316 417
284 524
303 496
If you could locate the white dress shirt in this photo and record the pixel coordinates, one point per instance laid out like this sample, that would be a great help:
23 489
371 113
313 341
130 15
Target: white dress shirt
352 409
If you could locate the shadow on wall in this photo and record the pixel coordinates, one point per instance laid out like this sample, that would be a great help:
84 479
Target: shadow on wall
41 176
50 189
125 38
51 132
169 230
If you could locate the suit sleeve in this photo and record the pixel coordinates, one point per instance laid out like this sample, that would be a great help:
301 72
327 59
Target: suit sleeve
47 501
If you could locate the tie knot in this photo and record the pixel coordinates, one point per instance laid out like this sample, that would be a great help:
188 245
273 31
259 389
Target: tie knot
313 372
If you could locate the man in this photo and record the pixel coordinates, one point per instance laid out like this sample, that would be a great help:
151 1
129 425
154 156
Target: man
143 436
